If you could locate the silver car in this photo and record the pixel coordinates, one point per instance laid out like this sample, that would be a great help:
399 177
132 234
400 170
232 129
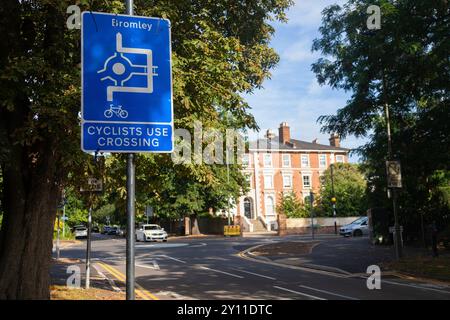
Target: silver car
357 228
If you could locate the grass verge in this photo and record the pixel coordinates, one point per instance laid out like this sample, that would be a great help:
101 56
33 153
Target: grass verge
64 293
420 266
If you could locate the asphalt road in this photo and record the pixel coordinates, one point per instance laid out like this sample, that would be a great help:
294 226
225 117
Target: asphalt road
210 268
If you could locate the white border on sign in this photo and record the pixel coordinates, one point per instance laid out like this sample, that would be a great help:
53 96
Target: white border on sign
124 122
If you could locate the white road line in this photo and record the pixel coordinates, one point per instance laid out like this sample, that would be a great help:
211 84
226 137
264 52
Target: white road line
300 293
255 274
201 244
153 262
111 281
175 259
219 271
328 292
414 286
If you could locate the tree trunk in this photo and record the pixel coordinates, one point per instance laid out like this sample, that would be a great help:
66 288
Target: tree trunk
30 203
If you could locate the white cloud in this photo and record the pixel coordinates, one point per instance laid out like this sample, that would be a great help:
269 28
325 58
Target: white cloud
299 51
308 13
314 88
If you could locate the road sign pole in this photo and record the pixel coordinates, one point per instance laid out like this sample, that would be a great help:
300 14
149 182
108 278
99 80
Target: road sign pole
130 207
130 226
64 220
88 245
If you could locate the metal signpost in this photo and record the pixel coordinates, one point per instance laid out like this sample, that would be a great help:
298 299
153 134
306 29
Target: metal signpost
126 95
394 182
333 198
148 212
311 201
93 186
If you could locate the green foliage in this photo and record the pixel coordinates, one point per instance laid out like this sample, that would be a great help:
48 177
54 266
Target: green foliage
349 191
405 65
292 207
101 214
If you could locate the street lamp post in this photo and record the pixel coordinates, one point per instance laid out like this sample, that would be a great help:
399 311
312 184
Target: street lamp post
333 199
311 201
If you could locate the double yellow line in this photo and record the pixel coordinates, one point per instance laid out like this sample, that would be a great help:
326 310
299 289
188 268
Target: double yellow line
140 291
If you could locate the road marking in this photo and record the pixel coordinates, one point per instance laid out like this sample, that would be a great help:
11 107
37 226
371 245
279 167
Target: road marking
161 245
219 271
300 293
255 274
328 292
140 291
111 281
154 267
175 259
328 273
414 286
201 244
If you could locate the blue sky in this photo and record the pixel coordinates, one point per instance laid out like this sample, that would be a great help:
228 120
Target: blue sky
293 94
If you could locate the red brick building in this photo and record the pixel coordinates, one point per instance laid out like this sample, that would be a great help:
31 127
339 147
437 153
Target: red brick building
277 165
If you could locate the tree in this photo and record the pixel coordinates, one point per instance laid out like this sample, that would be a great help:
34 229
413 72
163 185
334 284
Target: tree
220 51
349 191
405 66
292 207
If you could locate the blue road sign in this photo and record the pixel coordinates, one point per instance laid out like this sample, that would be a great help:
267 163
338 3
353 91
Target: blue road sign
126 84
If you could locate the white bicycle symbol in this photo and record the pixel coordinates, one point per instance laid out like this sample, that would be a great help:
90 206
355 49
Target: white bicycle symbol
118 111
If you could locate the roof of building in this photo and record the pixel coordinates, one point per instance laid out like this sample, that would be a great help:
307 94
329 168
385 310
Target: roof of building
293 145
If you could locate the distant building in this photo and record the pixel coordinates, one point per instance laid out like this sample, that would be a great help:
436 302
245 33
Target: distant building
277 165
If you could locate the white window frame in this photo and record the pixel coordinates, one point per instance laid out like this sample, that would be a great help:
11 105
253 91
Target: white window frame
288 157
290 181
323 156
268 156
310 181
340 156
266 180
273 207
301 160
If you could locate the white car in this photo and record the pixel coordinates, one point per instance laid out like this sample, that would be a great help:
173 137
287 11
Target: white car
357 228
81 232
151 232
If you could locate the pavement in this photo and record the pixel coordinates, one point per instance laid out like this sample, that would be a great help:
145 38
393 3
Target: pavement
218 268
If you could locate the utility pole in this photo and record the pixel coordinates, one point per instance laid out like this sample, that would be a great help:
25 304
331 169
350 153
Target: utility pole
333 199
393 191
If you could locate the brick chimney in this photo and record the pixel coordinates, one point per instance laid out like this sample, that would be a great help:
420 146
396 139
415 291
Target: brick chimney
334 140
284 133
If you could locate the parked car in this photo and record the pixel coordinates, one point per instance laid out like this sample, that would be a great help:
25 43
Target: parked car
115 231
95 229
151 232
81 232
357 228
78 226
106 229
